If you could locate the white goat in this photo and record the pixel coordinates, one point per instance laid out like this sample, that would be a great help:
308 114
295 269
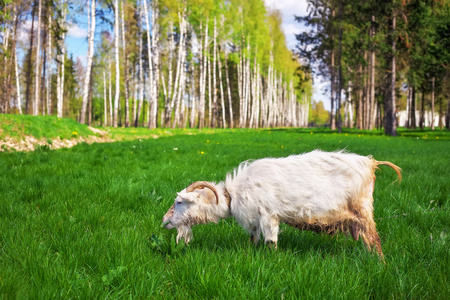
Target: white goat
318 191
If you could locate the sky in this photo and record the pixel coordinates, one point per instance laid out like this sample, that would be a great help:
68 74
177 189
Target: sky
76 39
289 9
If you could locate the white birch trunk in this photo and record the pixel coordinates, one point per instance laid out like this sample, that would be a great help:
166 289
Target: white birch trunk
89 63
116 58
150 97
230 102
125 70
214 79
209 91
180 58
135 94
141 74
222 100
48 83
105 105
240 91
193 98
110 93
61 69
155 83
16 64
201 101
38 61
202 76
373 114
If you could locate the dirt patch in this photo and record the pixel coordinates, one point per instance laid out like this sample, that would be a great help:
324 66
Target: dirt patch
30 143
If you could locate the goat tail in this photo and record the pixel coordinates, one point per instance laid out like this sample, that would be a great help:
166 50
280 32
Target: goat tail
397 169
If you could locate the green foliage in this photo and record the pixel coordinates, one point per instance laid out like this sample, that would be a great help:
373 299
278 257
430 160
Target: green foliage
318 116
84 222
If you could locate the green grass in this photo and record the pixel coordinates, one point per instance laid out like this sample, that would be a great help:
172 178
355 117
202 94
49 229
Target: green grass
50 127
84 222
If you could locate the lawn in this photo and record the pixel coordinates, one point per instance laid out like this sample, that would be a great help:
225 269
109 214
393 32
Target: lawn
85 222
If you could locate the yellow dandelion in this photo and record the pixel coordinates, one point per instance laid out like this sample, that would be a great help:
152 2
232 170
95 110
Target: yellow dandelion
201 152
437 137
74 133
345 134
311 132
207 141
282 146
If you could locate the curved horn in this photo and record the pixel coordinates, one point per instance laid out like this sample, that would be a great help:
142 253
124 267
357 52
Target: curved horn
202 185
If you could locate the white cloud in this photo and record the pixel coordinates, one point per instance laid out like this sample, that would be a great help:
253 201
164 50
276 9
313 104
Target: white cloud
75 31
289 9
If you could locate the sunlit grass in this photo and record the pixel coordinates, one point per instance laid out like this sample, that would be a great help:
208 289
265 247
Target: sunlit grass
85 222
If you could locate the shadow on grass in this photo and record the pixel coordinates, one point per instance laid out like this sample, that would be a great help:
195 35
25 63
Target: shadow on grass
290 241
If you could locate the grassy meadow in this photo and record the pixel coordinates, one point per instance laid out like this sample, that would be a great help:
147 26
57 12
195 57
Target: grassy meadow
85 222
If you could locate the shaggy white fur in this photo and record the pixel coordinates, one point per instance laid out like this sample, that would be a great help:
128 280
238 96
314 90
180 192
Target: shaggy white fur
319 191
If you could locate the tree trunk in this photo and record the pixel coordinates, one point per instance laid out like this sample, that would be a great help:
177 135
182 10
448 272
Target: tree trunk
150 60
413 108
29 63
110 93
141 74
333 91
16 65
48 78
90 57
432 103
214 80
338 107
202 76
37 75
359 101
155 70
193 117
372 111
125 70
230 103
332 79
422 111
222 98
116 59
60 103
391 126
105 105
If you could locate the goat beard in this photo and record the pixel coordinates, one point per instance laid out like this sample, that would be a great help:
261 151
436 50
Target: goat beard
184 232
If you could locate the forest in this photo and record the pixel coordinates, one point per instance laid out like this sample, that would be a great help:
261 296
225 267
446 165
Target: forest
386 61
204 63
160 63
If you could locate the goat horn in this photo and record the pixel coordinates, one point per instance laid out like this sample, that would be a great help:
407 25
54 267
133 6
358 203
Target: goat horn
202 185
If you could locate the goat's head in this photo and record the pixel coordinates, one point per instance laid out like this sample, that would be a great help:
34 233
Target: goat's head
194 205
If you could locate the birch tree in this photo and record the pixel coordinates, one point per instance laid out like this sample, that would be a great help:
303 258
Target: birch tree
90 55
38 61
116 58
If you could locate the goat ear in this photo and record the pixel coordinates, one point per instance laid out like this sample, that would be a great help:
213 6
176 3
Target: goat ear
186 196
